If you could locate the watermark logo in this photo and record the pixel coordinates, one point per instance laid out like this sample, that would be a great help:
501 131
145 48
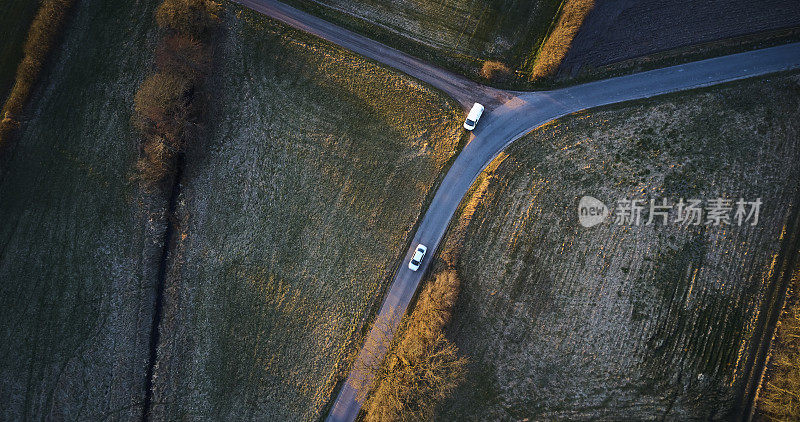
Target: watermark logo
686 212
591 211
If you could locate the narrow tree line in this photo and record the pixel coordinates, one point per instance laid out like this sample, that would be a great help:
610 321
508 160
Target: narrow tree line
422 366
170 105
42 35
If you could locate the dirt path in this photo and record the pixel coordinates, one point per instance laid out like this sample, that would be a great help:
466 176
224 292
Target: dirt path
460 88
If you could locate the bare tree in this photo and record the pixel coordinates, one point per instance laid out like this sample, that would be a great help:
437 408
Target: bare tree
421 366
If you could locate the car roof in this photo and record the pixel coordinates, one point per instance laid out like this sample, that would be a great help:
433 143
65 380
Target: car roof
475 112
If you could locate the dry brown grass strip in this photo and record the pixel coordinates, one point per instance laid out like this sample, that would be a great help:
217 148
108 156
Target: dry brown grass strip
555 47
779 399
42 35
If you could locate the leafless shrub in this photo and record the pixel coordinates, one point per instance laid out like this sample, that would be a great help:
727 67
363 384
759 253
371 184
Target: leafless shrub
168 106
183 55
163 108
780 397
194 18
495 71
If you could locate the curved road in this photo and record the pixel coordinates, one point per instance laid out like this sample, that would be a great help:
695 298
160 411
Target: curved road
509 116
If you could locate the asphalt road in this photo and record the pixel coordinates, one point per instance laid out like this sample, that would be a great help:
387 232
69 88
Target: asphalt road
508 116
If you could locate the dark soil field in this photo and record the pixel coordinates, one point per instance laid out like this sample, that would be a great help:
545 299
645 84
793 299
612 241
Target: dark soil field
291 218
76 256
619 30
628 322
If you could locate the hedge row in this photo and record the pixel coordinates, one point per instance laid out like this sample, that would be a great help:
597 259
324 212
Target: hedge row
169 106
42 34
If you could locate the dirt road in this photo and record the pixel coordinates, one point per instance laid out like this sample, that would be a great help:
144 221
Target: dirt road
460 88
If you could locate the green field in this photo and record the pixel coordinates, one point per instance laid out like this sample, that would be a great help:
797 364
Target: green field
75 255
623 322
454 34
291 216
14 21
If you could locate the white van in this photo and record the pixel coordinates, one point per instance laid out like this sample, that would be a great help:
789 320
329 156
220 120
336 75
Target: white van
473 116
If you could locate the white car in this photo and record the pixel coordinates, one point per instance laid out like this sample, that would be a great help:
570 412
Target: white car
473 116
419 253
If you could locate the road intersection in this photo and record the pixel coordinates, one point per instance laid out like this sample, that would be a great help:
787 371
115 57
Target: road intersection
509 115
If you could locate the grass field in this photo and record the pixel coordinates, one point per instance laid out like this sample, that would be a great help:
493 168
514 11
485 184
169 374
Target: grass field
454 34
76 296
14 22
291 217
621 322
